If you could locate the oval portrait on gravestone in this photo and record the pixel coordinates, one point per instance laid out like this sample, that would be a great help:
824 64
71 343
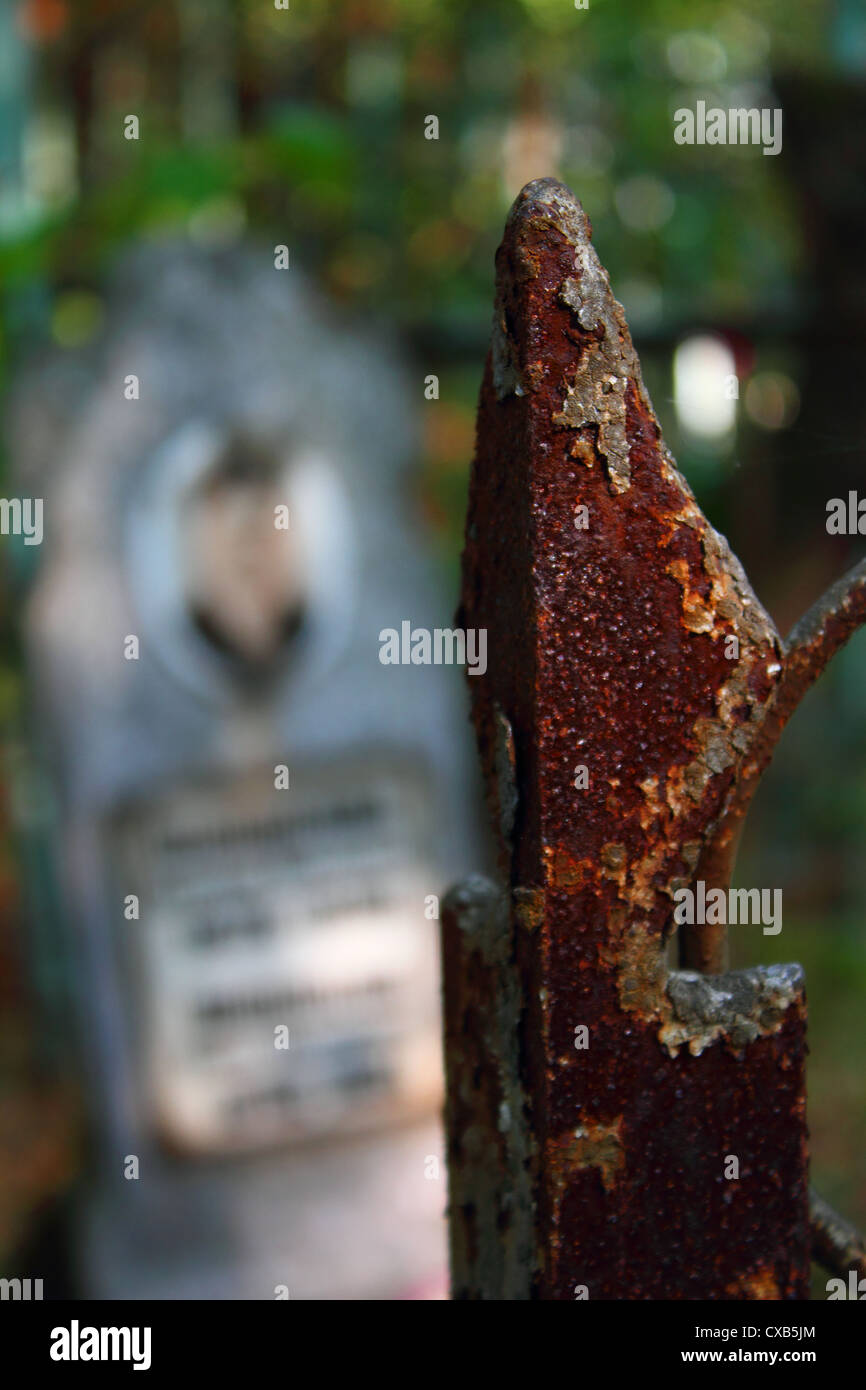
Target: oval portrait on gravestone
244 576
241 559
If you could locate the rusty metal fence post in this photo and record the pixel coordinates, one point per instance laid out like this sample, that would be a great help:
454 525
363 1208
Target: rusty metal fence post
616 1128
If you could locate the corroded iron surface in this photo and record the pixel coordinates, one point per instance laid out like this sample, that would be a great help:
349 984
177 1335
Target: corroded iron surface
596 1098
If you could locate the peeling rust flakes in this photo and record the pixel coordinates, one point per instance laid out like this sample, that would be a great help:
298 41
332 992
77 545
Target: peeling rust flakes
589 1145
613 857
737 1007
697 617
593 1146
641 972
583 451
563 870
653 807
690 852
613 863
597 396
641 891
694 1010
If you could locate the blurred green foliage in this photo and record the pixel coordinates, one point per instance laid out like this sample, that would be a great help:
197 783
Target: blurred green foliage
400 225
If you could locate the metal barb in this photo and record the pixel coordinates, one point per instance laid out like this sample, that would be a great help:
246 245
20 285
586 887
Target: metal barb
615 1129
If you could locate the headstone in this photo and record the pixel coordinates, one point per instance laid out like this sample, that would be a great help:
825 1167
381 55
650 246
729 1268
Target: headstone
256 814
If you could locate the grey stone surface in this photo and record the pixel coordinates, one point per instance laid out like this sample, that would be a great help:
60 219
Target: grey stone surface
231 356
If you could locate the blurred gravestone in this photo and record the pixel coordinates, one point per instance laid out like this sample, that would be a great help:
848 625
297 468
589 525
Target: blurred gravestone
253 809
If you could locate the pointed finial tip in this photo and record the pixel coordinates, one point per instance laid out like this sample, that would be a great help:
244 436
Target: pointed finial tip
548 200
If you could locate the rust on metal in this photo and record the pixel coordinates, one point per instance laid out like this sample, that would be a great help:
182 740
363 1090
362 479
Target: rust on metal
616 1129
